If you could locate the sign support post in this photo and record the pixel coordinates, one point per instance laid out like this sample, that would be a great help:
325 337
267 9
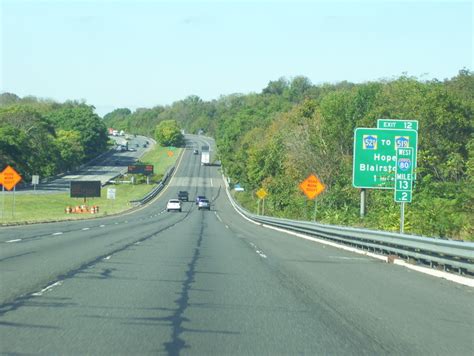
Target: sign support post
13 209
402 218
3 200
315 210
312 187
9 178
404 181
261 194
35 181
363 198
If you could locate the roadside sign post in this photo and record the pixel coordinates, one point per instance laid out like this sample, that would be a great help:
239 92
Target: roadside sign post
363 199
13 207
315 209
3 200
385 158
312 187
261 194
375 156
111 193
3 193
9 178
404 181
35 181
374 162
402 218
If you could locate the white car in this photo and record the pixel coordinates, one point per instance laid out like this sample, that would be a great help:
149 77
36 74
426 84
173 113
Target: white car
173 204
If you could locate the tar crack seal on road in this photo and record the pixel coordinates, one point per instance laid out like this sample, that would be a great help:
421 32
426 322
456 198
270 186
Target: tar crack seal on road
177 344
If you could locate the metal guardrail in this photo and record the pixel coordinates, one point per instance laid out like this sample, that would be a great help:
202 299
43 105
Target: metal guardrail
154 192
447 254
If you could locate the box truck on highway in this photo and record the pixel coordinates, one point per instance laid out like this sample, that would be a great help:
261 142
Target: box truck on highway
204 158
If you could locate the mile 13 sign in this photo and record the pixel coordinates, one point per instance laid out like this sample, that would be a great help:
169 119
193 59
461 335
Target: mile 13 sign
375 154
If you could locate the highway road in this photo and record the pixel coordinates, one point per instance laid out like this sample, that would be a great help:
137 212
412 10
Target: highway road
104 168
212 283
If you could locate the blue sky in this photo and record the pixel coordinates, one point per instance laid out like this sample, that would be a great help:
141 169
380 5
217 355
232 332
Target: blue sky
146 53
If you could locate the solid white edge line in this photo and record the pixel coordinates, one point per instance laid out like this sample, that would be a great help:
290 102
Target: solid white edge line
16 240
441 274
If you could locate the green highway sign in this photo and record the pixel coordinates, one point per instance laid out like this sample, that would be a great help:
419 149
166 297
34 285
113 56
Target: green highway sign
403 196
404 174
375 158
397 124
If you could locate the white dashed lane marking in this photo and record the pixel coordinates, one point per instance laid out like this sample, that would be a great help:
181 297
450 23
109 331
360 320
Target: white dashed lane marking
57 233
15 240
86 228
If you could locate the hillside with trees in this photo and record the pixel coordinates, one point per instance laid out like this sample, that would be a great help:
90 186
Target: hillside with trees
45 137
275 138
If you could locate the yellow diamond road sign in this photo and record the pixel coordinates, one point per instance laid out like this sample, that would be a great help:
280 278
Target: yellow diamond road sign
261 193
312 186
9 178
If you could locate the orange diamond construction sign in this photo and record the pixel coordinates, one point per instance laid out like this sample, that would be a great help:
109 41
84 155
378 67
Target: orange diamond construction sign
9 178
312 186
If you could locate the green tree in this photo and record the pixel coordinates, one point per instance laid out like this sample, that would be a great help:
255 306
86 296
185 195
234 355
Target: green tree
71 151
167 133
81 118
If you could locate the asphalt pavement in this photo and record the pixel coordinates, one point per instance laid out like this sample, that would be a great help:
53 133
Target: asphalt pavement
212 283
104 168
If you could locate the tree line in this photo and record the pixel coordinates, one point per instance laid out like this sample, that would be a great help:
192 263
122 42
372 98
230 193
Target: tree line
275 138
45 137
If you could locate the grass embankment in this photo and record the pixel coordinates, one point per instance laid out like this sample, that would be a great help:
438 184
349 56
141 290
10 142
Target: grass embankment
36 207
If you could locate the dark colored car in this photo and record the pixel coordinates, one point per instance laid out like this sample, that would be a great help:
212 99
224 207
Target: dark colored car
183 195
195 152
199 198
204 204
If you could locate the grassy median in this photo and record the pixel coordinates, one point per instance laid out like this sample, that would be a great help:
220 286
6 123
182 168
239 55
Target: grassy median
36 207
